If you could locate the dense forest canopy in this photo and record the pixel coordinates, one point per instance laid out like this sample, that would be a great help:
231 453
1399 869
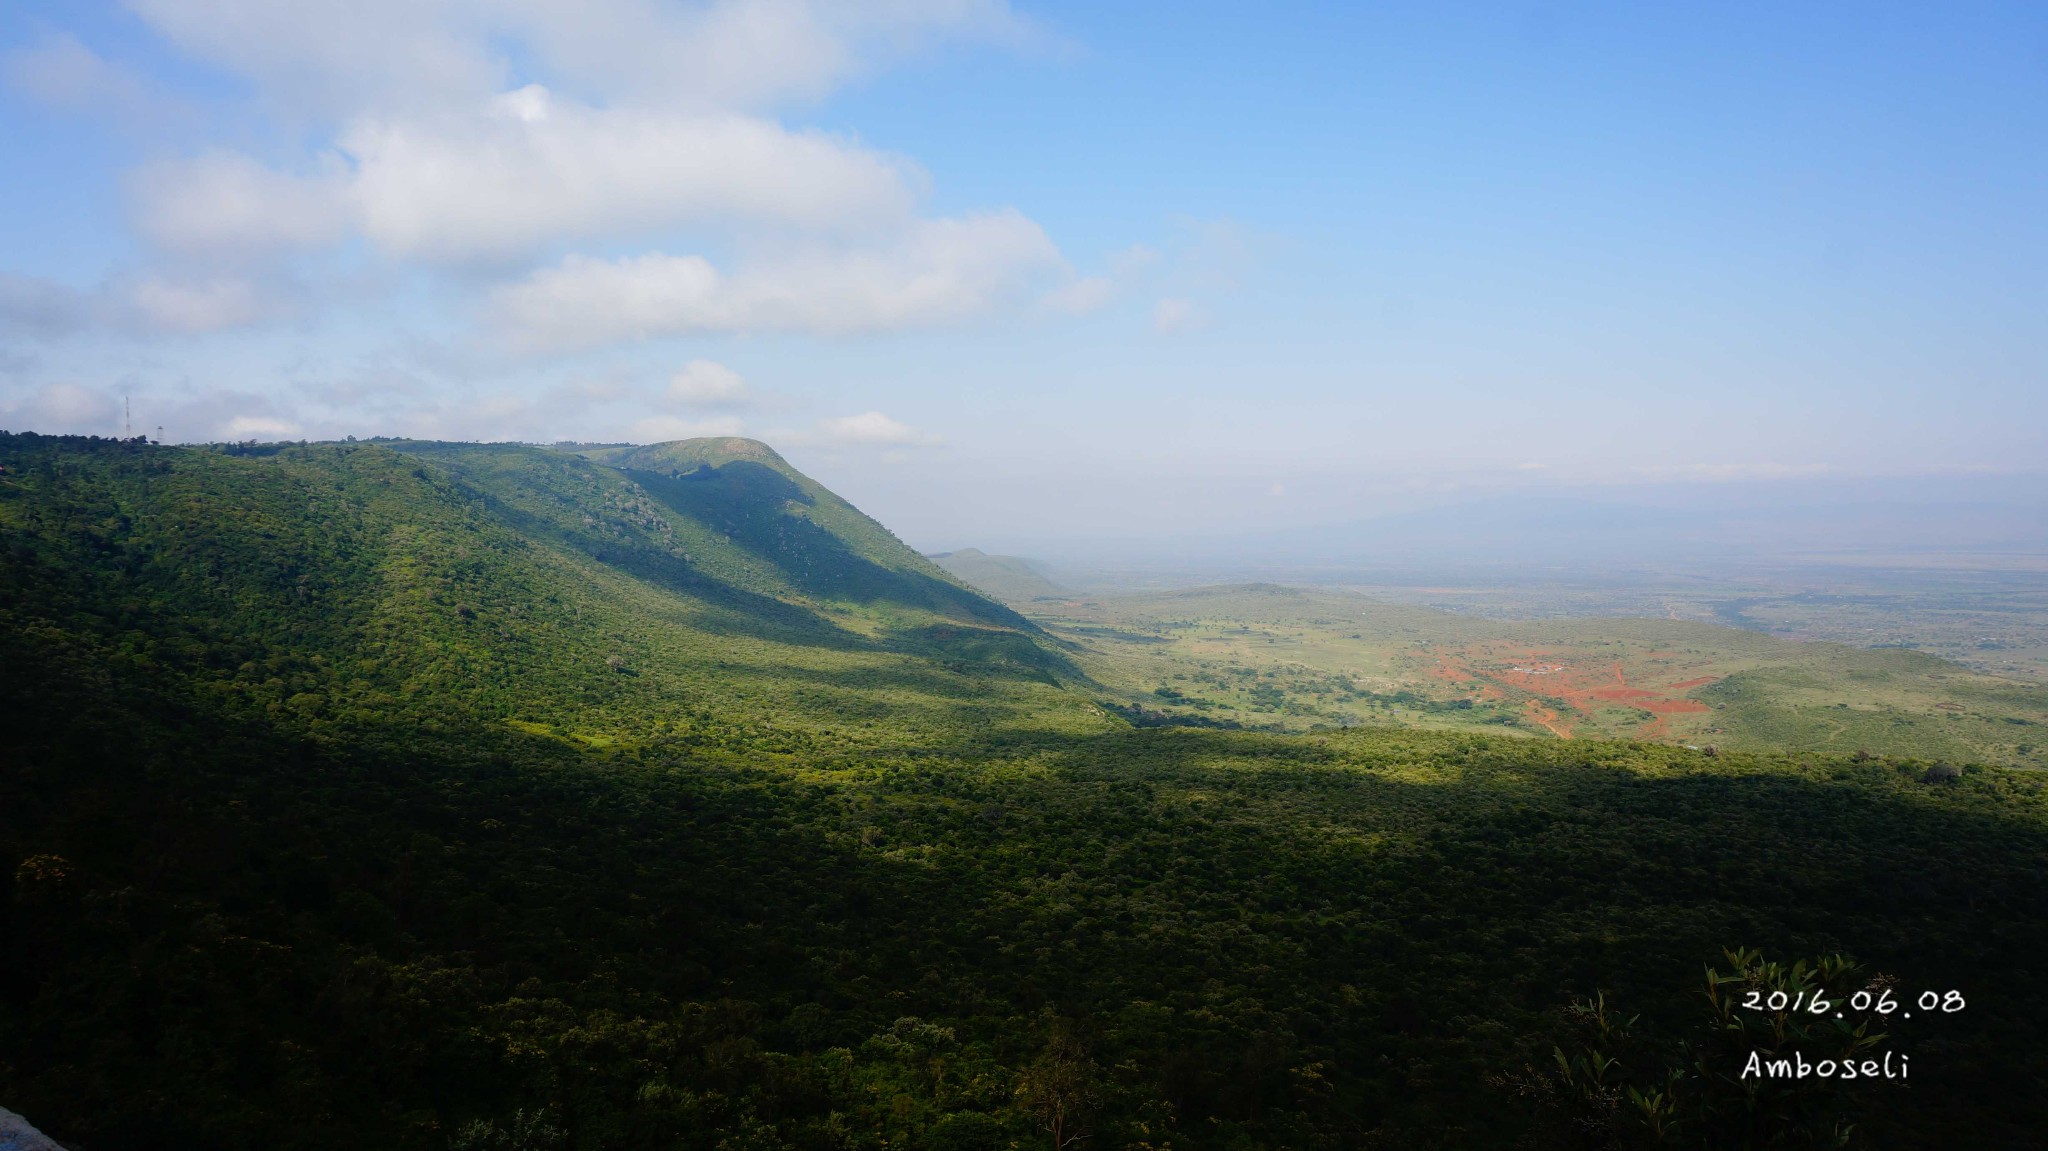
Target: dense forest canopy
452 796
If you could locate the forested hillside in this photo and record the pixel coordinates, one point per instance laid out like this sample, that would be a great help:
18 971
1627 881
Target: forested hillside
441 796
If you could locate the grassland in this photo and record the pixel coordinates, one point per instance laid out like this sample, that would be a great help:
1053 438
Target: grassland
1986 613
1294 659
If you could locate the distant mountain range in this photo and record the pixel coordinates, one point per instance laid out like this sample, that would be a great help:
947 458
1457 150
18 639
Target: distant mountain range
1011 579
1591 530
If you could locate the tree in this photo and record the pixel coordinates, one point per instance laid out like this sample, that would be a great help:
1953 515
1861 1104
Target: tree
1059 1086
1613 1086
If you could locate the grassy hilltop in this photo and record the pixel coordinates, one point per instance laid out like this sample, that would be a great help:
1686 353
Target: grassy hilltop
436 796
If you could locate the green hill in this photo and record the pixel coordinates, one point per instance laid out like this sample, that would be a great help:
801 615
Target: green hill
518 583
815 544
456 797
1008 578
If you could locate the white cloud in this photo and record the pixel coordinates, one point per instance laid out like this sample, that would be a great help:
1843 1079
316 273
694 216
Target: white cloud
871 428
62 72
182 412
164 303
336 57
1126 269
1132 262
137 303
1082 296
705 384
225 204
503 407
330 57
753 53
40 307
519 173
935 272
583 392
67 408
1174 315
660 429
487 136
258 428
14 362
531 170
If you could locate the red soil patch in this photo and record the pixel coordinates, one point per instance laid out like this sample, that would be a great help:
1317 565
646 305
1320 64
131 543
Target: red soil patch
1623 693
1453 672
1566 694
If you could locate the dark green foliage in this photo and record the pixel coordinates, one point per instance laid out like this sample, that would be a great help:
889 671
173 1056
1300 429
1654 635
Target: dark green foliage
1709 1082
816 542
298 853
1138 715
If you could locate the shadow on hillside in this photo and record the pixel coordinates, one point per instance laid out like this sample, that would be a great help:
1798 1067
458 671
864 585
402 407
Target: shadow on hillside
1480 880
732 610
1399 910
967 683
749 502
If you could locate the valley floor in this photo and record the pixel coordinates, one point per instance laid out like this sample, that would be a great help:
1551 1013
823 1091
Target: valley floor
1265 656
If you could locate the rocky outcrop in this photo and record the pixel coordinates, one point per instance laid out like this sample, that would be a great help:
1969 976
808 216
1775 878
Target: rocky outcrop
17 1135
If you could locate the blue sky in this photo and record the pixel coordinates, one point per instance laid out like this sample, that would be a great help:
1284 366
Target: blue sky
1011 272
